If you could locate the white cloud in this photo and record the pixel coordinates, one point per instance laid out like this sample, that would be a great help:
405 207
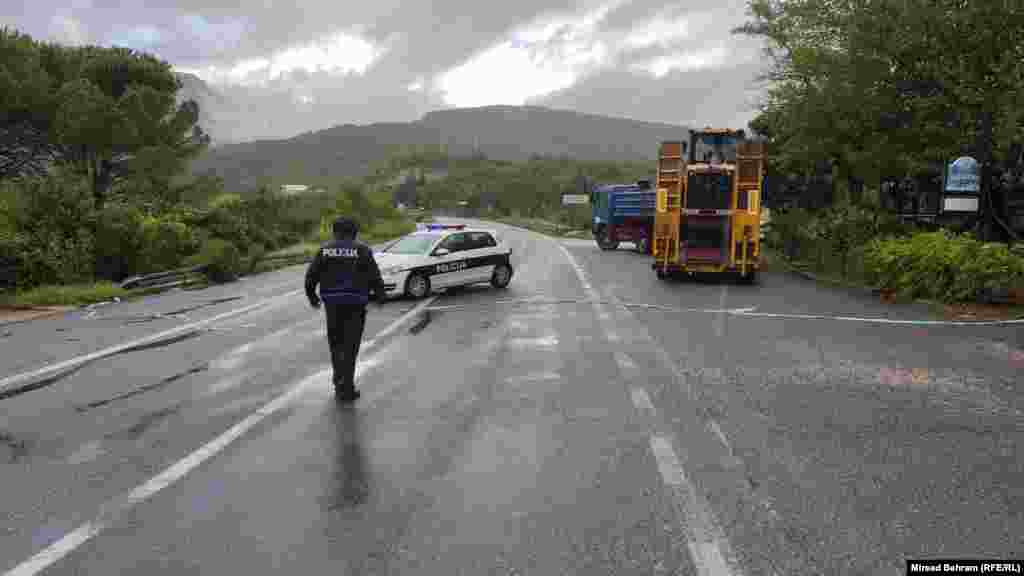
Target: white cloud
558 51
661 30
68 30
341 53
684 62
542 58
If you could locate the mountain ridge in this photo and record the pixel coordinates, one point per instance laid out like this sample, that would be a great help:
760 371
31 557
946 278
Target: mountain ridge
498 132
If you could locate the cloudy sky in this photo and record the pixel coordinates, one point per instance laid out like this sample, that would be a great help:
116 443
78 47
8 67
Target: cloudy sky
289 67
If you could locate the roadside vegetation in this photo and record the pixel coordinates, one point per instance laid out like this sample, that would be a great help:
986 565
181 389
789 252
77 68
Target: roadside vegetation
94 150
880 92
527 194
868 247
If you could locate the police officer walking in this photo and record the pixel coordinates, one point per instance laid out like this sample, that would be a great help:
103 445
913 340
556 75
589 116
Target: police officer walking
347 275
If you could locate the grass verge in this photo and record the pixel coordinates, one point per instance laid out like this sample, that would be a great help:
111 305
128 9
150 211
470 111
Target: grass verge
543 227
70 295
947 311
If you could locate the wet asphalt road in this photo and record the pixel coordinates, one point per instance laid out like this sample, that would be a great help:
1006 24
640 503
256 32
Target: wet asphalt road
590 419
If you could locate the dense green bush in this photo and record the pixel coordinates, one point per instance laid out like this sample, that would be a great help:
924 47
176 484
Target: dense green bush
120 240
227 220
832 240
9 251
167 241
253 258
53 241
221 258
943 266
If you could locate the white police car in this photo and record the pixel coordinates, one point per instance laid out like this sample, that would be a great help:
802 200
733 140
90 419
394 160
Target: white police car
444 256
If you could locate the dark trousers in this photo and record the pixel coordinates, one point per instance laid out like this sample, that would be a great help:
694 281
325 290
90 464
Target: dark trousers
345 324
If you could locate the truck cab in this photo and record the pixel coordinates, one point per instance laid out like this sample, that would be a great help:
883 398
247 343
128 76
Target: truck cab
708 205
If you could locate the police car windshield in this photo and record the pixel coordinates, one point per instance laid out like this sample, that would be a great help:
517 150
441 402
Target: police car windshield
413 244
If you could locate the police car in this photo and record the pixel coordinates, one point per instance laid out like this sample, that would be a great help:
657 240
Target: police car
444 256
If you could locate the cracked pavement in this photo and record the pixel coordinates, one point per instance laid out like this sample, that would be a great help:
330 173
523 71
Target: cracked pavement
589 419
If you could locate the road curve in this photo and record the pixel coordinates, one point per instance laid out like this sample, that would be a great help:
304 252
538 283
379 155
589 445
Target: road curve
589 419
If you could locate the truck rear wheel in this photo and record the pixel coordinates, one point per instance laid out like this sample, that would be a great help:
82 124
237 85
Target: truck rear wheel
604 241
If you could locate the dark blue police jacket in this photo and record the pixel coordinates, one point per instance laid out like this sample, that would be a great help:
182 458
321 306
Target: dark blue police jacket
346 273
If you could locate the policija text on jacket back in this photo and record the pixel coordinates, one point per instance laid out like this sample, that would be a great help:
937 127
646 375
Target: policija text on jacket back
349 278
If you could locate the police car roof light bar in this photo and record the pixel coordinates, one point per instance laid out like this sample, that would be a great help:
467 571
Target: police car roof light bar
445 226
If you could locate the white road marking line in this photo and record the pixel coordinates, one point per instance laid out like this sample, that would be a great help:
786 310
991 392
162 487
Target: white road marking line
536 377
86 453
19 378
711 562
879 320
668 463
708 548
641 400
624 361
721 435
720 320
112 509
549 341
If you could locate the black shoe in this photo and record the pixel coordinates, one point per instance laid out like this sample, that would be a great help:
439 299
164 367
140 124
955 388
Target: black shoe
347 397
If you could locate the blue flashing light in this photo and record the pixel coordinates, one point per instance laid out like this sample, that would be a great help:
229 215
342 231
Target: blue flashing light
446 226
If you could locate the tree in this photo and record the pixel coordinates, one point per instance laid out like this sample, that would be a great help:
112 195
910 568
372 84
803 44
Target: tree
25 109
883 88
118 119
107 113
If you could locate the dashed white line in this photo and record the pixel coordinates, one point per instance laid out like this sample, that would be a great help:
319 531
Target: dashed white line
549 341
668 463
113 508
720 320
708 548
86 453
624 361
721 435
641 400
535 377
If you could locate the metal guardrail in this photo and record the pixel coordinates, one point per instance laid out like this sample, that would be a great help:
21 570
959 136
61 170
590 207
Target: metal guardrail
162 279
172 278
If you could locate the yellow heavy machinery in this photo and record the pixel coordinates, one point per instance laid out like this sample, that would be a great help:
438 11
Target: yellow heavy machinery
708 215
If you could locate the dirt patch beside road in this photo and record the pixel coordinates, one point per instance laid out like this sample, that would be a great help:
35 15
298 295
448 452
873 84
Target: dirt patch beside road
13 314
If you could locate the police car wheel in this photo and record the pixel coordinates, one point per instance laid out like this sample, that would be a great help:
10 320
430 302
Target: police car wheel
417 286
501 276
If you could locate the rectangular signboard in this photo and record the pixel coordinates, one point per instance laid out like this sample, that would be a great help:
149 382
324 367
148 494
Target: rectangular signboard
569 199
962 176
959 204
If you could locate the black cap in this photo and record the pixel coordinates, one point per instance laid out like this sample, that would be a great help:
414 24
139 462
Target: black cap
345 227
